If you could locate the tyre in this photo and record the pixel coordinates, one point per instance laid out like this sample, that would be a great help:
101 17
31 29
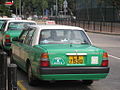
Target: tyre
87 82
9 52
31 78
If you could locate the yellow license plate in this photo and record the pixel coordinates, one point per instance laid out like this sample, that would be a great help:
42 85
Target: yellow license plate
76 59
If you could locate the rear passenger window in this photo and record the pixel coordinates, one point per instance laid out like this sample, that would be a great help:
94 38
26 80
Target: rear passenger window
23 36
29 37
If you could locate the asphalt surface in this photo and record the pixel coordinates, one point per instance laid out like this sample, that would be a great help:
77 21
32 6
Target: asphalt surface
111 44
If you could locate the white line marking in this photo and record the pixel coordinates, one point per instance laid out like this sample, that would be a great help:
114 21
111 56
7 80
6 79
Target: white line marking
114 57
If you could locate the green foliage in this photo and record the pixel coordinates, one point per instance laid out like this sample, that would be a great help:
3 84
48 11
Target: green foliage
31 7
115 3
16 3
38 6
4 10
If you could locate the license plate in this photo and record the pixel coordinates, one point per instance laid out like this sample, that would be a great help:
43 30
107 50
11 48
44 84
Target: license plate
76 59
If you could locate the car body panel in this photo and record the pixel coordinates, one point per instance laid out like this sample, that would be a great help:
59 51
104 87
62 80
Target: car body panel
60 55
73 77
60 51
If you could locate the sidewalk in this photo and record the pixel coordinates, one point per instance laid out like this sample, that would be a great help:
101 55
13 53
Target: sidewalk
103 32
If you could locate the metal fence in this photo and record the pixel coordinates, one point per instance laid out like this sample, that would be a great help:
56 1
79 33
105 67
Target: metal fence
96 26
106 14
99 18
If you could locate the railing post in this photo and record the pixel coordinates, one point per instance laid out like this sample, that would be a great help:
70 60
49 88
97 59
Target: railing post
94 25
111 27
101 26
12 77
3 64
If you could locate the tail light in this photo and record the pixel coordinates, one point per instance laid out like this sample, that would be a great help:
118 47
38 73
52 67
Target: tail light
7 39
105 60
44 62
105 63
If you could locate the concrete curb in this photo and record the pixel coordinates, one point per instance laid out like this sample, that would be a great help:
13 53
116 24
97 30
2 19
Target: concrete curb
20 85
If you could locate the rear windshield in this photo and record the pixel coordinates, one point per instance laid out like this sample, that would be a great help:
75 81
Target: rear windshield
18 25
63 36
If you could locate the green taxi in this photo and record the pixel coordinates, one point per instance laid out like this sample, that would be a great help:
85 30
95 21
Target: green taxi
58 52
11 29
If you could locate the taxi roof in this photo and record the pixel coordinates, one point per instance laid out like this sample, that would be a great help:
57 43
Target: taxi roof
40 27
7 18
21 21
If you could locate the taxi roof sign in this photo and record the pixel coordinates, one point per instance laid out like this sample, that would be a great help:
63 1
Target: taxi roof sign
9 3
50 22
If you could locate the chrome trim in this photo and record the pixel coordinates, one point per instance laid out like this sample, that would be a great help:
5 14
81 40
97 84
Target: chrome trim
76 53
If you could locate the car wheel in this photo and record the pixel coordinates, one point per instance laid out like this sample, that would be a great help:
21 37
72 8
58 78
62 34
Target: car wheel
9 52
31 78
87 82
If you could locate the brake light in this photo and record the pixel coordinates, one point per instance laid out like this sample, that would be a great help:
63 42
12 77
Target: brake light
44 62
7 39
105 60
7 36
105 63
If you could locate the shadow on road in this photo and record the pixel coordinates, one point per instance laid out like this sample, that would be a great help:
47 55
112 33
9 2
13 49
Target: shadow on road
62 84
57 85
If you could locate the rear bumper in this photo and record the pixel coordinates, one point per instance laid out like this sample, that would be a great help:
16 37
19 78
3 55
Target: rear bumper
7 46
74 70
73 73
73 76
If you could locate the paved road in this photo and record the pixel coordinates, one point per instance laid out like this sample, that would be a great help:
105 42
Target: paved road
112 82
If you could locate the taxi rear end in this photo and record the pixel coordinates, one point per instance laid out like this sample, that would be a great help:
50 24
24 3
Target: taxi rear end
68 59
14 29
85 65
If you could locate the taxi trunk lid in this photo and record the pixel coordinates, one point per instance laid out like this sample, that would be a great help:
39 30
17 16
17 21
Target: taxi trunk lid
74 55
13 33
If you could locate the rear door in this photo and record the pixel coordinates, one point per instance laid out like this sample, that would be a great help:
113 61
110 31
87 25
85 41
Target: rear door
16 47
26 47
